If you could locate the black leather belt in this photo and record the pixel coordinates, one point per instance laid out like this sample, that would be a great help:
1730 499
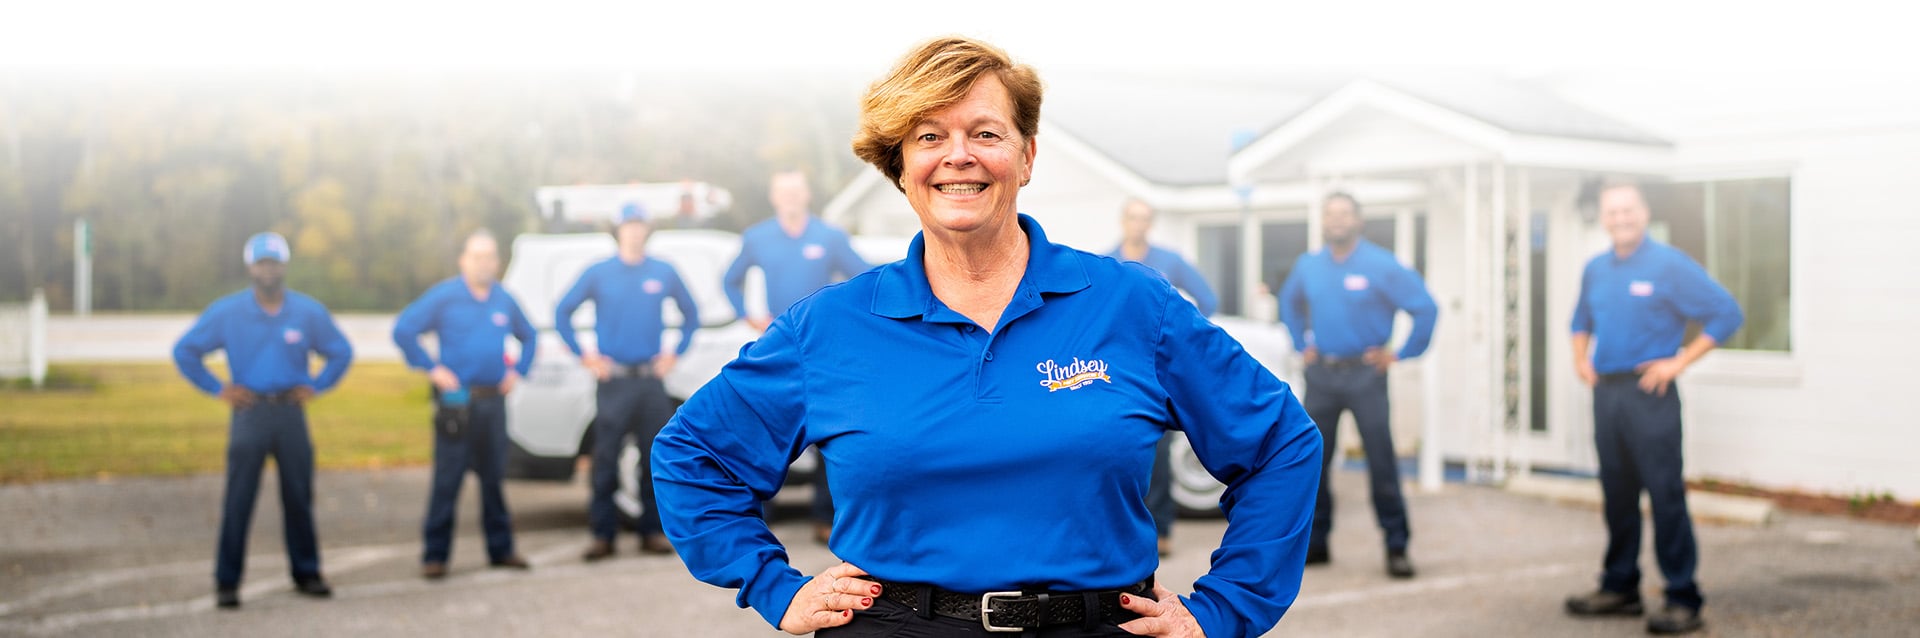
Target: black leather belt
1011 611
278 398
636 371
1341 363
1620 377
484 391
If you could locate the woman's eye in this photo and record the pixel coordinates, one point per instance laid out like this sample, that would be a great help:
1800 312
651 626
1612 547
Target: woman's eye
928 137
988 135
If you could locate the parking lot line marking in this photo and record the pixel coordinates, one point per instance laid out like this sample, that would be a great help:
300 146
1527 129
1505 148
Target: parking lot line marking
344 560
1432 584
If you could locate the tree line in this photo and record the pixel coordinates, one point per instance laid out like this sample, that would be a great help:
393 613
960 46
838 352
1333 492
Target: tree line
373 178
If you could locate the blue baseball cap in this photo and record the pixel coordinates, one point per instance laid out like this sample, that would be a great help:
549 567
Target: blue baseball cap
633 212
266 246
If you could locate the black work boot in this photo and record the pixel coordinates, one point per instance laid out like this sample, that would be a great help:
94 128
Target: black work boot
1398 566
1675 619
1601 602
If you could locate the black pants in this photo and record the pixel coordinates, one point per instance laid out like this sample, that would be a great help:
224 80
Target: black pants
1160 487
1332 389
278 430
890 619
636 406
482 448
1637 437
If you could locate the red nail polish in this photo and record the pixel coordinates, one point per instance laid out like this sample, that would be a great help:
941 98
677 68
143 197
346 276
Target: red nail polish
876 590
846 613
866 602
1124 599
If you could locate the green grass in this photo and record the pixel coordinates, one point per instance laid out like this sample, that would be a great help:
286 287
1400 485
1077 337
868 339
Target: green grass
144 420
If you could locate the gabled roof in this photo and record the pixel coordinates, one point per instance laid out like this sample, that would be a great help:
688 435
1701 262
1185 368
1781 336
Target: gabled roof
1514 123
1150 131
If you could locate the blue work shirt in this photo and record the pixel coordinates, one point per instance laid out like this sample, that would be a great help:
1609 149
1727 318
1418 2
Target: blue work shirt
1637 308
1345 307
794 266
627 299
472 333
1179 273
979 461
266 353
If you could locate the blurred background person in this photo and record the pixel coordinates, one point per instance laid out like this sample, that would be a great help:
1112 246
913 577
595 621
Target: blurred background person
989 408
1338 305
1136 220
1634 304
268 333
797 253
628 292
472 316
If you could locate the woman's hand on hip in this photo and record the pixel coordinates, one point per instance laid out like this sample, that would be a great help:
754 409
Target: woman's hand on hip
829 600
1165 617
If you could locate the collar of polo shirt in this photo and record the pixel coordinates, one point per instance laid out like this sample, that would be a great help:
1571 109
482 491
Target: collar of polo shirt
903 291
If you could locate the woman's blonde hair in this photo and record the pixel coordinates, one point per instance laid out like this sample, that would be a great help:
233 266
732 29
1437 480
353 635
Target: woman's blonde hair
934 76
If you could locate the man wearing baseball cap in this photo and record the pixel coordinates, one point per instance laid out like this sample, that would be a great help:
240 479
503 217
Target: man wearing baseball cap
628 292
268 333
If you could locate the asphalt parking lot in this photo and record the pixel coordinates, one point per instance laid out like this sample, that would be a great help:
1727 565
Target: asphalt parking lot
133 558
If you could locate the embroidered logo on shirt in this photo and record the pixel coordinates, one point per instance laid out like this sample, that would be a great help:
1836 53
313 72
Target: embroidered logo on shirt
652 286
1072 376
1640 289
1356 283
500 319
813 251
292 335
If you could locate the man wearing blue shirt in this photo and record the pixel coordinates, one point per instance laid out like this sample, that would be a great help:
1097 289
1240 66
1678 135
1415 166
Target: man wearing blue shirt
472 316
268 333
798 254
628 292
1136 219
1634 305
1339 304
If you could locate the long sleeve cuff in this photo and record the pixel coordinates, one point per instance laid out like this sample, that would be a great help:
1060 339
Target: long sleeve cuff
772 590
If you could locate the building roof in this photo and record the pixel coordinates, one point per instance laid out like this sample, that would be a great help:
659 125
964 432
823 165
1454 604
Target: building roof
1181 131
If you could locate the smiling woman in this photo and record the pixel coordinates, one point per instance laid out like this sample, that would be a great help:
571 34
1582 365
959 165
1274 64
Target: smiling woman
992 488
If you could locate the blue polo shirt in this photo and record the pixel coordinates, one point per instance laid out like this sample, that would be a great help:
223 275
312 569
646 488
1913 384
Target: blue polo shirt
1345 307
266 353
627 299
1637 308
794 267
472 333
1179 273
980 461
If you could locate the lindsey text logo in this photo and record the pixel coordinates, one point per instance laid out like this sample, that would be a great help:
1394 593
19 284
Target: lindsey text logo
1072 376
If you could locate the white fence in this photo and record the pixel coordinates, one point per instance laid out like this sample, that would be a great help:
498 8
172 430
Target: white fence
23 340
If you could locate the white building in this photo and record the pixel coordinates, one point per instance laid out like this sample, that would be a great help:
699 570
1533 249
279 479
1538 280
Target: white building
1788 198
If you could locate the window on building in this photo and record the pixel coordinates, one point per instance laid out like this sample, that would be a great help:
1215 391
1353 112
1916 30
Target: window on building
1218 259
1738 229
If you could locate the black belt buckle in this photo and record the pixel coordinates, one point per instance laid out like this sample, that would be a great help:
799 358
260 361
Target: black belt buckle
986 611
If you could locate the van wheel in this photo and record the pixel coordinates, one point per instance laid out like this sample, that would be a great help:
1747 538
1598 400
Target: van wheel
1195 491
626 496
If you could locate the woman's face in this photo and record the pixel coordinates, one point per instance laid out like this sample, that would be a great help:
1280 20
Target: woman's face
964 165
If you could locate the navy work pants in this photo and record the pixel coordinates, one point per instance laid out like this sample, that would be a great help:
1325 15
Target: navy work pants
1160 488
625 406
255 433
481 447
1637 437
1362 389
